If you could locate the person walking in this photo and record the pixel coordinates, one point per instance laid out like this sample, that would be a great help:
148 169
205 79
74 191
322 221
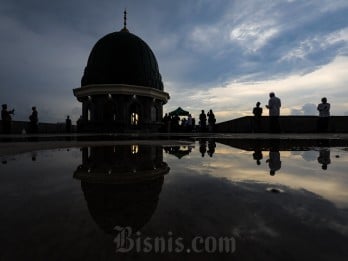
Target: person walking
273 106
324 115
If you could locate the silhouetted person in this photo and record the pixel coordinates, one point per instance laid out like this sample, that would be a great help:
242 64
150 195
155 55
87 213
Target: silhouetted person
257 111
273 106
202 121
34 119
183 123
68 124
166 122
175 122
189 123
6 119
324 115
257 155
211 120
324 157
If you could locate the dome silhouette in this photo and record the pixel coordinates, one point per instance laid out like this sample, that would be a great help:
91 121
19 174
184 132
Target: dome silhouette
122 58
121 87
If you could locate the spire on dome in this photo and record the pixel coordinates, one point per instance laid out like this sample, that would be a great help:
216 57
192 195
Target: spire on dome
124 29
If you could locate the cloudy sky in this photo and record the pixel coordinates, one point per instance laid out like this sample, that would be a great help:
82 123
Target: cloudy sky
223 55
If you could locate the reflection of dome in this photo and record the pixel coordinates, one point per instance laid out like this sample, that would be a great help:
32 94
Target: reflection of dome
126 205
121 184
122 58
121 164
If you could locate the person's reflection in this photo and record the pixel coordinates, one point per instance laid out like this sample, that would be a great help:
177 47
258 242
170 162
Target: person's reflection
4 160
211 147
324 157
33 156
273 161
121 184
202 147
257 155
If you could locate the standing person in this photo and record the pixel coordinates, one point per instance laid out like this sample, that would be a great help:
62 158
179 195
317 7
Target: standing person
211 120
273 106
68 124
166 121
175 122
189 123
34 119
6 119
202 121
257 111
324 115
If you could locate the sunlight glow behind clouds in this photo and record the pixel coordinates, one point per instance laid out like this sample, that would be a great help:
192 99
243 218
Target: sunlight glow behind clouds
296 91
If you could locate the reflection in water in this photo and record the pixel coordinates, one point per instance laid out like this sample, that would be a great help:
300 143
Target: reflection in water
33 156
273 161
121 184
121 164
178 151
275 146
257 155
211 147
125 205
203 147
324 157
293 216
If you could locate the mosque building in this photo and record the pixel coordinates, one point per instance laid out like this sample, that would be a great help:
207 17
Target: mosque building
121 88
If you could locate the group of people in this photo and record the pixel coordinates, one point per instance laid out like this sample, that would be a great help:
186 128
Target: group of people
274 104
6 120
210 116
33 127
173 122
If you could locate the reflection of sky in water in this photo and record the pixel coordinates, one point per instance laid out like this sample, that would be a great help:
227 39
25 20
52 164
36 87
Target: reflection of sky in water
47 213
299 169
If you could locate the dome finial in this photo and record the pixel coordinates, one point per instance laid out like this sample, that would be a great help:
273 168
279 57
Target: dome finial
125 21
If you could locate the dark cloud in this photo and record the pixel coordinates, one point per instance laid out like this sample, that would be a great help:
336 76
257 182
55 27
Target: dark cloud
45 45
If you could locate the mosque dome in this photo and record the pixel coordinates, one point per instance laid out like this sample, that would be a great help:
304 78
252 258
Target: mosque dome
122 58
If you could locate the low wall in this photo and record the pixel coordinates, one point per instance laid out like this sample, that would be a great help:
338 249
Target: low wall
288 124
18 126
